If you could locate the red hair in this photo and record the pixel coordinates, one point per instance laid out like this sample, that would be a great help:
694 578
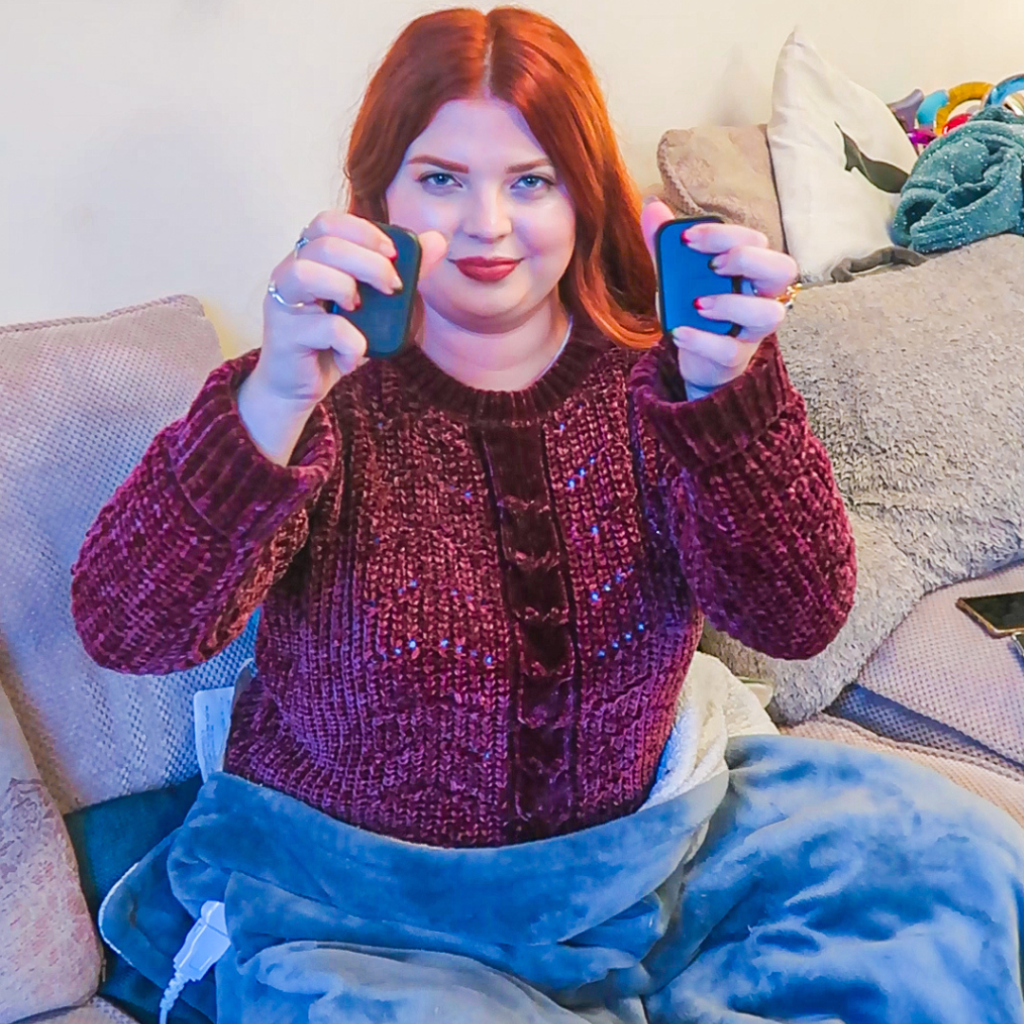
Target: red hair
526 60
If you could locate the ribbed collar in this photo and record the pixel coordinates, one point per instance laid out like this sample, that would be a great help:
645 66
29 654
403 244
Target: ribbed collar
541 397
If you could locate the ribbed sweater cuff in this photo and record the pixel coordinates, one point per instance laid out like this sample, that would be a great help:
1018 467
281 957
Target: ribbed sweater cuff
227 479
722 424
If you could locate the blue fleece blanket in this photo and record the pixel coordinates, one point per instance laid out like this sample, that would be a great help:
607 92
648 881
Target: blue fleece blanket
829 884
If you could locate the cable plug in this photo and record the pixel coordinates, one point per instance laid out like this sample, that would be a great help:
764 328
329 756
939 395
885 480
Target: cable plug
206 942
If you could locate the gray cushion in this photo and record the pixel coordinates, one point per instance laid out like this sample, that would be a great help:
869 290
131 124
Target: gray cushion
80 400
914 383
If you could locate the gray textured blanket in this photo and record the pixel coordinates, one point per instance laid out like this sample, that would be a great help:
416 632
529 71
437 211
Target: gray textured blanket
914 381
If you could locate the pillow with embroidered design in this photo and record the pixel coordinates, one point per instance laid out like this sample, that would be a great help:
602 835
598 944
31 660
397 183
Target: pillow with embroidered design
840 157
49 952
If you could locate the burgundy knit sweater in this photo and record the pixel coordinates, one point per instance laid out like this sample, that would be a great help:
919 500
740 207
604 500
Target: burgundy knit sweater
478 607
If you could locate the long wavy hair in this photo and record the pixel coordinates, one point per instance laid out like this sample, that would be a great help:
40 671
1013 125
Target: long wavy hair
528 61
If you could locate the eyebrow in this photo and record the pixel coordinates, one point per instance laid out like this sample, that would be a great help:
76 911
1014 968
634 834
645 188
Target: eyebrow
448 165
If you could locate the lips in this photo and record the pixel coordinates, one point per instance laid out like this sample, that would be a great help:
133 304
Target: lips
480 269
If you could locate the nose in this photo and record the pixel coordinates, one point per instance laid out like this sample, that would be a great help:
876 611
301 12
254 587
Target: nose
487 216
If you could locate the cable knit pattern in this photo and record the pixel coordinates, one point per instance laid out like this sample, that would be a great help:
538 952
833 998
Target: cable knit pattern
478 607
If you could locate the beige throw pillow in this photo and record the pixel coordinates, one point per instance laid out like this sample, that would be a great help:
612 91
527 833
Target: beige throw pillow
80 400
722 171
49 952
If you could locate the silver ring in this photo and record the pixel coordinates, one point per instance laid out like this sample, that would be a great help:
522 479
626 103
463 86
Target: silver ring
275 295
303 240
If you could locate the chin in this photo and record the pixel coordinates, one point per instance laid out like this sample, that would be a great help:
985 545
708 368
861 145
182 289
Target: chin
468 310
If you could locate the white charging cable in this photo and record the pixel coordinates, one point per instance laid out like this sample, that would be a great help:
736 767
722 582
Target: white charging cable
204 945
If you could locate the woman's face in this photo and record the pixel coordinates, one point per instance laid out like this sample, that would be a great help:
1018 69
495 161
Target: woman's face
477 175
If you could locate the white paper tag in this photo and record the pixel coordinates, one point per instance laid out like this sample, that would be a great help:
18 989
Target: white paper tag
212 711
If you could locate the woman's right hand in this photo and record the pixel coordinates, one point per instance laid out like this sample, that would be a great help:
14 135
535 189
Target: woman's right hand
307 350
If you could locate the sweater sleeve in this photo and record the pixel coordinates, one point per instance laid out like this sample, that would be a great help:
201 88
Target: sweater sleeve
188 546
750 503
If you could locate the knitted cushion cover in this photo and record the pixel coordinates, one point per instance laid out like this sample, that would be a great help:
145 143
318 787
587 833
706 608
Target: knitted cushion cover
80 400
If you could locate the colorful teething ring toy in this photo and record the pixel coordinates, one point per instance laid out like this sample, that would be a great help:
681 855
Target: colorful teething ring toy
930 106
906 109
958 95
1003 94
955 122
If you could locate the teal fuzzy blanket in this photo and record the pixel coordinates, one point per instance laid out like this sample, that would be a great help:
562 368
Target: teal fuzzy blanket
814 882
965 186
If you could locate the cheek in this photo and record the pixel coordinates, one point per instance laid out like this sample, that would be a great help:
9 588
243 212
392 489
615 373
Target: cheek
552 235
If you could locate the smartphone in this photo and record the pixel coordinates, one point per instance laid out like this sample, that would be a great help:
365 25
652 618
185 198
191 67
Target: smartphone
1018 639
385 319
1000 614
685 274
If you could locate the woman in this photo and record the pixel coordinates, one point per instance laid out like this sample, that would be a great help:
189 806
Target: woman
448 546
482 566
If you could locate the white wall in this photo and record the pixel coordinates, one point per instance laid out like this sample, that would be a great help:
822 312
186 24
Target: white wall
163 146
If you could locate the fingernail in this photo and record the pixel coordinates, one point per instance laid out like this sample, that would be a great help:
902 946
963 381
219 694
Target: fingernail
647 200
699 304
718 262
396 283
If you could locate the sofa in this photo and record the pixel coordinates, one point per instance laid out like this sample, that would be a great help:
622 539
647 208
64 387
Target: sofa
909 382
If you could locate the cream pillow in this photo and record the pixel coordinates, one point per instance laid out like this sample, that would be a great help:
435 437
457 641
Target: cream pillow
840 159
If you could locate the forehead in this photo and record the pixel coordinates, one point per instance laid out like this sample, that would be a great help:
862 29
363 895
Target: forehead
478 131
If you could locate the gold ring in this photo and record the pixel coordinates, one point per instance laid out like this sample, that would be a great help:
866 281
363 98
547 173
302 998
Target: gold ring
787 297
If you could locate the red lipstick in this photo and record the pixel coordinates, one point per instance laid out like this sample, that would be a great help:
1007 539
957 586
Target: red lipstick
480 269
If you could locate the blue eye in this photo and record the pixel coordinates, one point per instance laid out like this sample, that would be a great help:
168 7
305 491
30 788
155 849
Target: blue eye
438 178
534 182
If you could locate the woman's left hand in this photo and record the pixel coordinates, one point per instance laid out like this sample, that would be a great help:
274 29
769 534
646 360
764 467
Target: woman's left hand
707 360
